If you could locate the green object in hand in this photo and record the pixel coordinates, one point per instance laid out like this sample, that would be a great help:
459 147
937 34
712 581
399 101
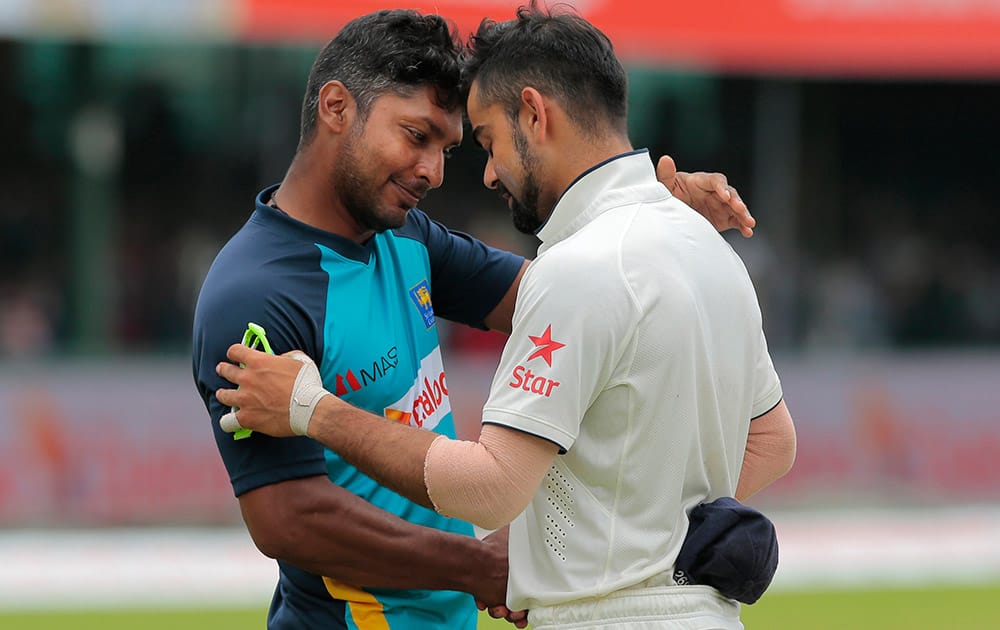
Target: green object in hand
252 338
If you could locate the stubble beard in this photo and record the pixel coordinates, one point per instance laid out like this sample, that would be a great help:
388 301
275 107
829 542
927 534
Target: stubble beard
524 211
358 194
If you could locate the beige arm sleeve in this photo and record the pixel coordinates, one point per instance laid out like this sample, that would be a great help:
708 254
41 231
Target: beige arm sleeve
770 451
488 482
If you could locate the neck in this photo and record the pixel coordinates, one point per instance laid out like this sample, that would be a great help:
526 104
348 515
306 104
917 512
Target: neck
585 154
307 195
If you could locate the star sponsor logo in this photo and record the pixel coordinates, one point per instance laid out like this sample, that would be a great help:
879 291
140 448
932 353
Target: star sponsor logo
523 378
544 345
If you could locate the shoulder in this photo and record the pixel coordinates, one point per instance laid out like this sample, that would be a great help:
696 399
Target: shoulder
269 280
579 273
418 226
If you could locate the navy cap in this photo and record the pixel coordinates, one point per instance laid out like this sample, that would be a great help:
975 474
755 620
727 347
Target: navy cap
731 547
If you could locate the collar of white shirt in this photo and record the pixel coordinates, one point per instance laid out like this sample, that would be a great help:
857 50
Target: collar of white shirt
587 197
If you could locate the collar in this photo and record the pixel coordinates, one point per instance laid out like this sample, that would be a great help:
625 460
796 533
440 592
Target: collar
278 220
588 196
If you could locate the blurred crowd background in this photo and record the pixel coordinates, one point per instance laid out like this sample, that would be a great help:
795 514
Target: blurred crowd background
863 136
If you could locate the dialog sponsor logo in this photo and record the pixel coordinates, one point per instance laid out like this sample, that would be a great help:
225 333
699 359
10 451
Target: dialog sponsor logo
426 402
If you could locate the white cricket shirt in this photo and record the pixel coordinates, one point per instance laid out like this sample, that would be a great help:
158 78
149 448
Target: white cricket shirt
636 347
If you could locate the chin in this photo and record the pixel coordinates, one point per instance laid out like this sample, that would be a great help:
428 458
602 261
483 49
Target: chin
391 219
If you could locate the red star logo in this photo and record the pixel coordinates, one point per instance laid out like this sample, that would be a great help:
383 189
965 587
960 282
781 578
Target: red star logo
546 345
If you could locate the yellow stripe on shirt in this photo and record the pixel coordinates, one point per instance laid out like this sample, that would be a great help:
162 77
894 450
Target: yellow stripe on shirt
365 609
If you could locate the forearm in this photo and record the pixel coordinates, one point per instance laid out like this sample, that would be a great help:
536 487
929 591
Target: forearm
488 482
391 453
327 530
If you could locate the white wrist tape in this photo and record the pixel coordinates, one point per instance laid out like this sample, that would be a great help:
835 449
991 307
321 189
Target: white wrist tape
306 394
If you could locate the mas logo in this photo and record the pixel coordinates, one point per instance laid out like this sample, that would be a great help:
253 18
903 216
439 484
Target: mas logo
426 403
421 296
522 376
349 380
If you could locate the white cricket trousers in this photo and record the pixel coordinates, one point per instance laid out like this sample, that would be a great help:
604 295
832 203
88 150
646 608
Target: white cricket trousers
644 608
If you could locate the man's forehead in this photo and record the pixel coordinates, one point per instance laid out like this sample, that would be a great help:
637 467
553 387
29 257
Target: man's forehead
423 103
474 106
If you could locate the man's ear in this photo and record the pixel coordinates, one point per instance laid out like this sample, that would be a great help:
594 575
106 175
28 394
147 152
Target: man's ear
337 108
534 114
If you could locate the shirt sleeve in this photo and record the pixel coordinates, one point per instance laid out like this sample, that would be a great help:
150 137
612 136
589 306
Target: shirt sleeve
767 386
572 324
468 277
230 298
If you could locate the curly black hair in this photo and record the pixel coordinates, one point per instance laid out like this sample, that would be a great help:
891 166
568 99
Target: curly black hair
387 51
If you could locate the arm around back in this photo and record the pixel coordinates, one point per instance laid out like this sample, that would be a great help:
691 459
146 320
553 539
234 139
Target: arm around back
322 528
770 451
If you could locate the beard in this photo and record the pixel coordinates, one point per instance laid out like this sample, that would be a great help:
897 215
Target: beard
359 194
524 211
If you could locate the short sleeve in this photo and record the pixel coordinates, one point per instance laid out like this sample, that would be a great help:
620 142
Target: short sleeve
767 386
232 296
564 348
468 277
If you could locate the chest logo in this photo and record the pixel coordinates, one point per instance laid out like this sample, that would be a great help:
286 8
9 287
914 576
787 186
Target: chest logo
421 296
426 403
379 368
545 345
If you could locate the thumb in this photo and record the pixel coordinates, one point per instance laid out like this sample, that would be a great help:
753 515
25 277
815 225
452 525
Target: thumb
666 171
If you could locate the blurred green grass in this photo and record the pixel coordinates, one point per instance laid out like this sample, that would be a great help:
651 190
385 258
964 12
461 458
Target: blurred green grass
968 608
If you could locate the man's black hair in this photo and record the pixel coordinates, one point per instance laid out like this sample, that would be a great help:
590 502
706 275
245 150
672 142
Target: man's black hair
557 52
386 51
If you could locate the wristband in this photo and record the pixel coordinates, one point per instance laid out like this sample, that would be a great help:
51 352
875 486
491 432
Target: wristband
306 394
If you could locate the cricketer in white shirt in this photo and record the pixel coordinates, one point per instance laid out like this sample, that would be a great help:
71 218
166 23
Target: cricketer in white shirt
637 348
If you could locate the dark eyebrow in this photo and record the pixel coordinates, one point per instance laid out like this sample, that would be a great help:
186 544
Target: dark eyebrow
436 131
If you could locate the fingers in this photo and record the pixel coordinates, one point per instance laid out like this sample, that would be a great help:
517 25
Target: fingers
720 184
739 208
517 616
740 217
228 397
229 423
230 372
499 612
238 353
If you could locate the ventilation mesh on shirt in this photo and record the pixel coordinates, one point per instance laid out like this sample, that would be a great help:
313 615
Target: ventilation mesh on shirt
559 517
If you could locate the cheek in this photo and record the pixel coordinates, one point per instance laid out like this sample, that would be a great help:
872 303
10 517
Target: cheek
506 174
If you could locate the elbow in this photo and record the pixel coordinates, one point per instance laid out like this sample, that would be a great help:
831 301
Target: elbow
486 514
788 452
273 523
271 539
494 521
268 545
